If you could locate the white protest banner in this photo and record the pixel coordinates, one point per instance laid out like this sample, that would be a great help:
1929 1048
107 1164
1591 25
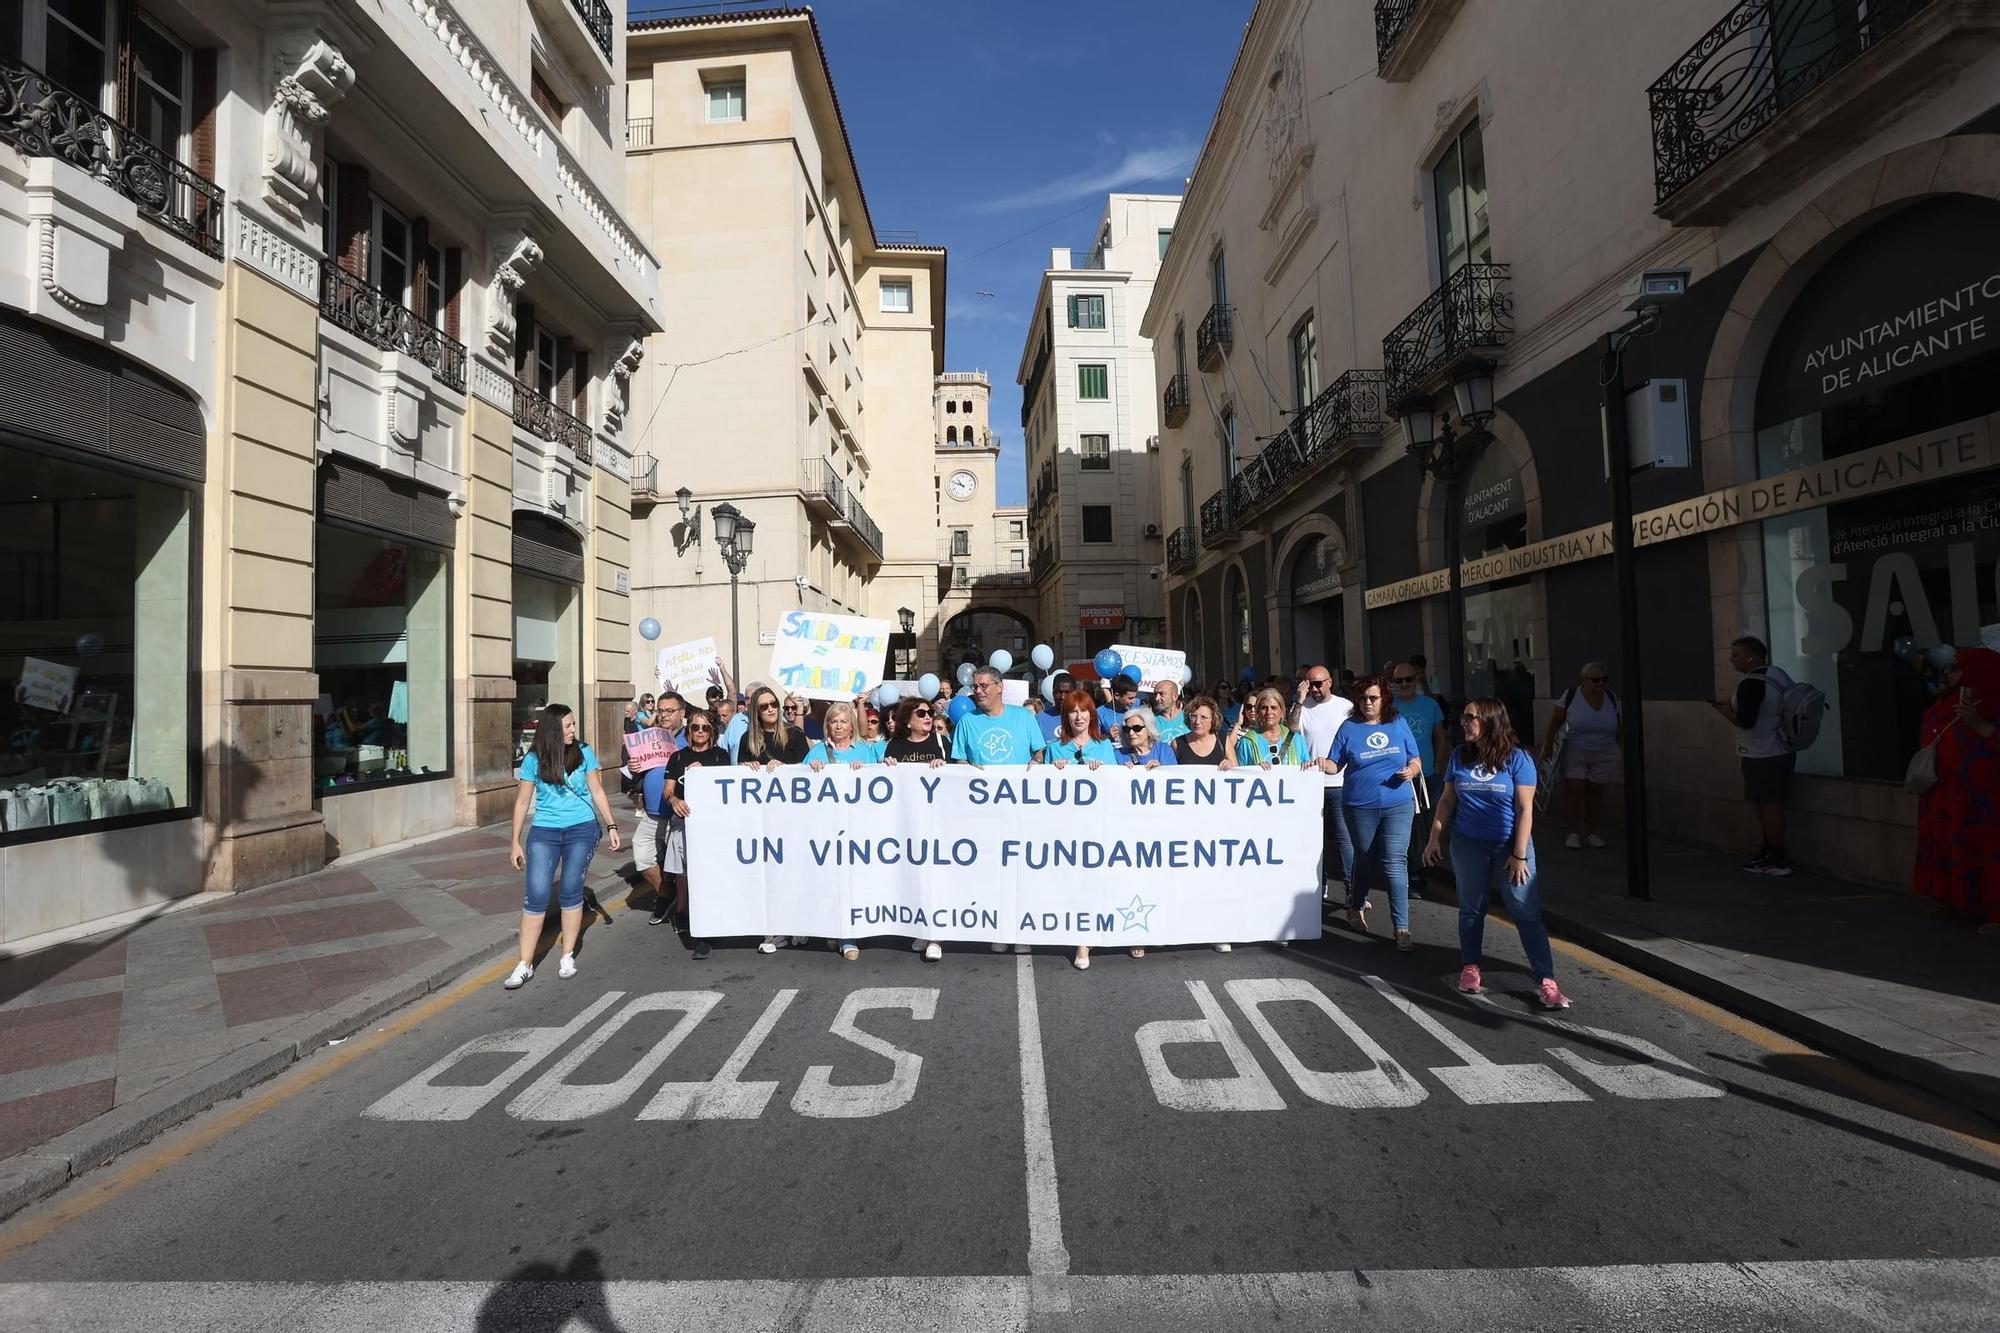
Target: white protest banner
45 684
690 668
1155 664
1115 857
648 748
827 656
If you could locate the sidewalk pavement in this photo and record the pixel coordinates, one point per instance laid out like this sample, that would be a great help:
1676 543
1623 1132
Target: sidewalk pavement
108 1040
1894 982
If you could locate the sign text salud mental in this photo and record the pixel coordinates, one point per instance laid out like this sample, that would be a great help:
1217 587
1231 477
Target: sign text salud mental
1112 857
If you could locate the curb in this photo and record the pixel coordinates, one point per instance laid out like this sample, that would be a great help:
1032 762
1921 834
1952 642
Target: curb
1968 1093
38 1172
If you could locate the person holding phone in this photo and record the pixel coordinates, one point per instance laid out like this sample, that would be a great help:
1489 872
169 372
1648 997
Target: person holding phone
561 790
1377 755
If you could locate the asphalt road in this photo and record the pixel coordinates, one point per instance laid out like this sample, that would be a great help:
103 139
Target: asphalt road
1326 1132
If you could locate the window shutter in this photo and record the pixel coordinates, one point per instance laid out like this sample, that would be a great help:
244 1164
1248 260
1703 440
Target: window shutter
524 342
125 90
204 112
454 280
353 204
565 373
1072 312
420 269
579 403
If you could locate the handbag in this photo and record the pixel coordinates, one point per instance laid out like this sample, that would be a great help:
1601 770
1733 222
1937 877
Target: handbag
1922 773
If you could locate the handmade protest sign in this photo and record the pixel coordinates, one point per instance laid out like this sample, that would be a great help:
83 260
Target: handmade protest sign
828 657
690 668
648 747
1115 857
1155 664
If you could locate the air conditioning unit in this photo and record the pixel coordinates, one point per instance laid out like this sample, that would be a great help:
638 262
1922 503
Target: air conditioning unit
1152 529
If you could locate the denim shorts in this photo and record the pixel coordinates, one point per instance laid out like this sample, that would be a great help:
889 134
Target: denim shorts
558 855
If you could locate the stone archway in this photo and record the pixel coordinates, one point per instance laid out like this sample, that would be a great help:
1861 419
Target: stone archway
1311 629
1967 164
973 634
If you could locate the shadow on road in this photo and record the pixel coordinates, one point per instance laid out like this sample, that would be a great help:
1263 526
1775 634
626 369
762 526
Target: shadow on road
539 1297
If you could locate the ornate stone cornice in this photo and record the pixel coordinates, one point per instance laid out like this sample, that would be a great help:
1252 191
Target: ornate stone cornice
522 254
311 76
488 73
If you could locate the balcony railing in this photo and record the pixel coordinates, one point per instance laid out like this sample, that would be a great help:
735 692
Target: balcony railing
645 477
352 304
1471 313
1213 336
991 576
1352 407
864 526
1392 18
42 119
1180 550
542 418
1042 563
1175 400
596 16
639 133
823 488
1217 519
1763 57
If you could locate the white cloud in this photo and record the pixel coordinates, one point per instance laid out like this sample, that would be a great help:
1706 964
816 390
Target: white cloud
1137 167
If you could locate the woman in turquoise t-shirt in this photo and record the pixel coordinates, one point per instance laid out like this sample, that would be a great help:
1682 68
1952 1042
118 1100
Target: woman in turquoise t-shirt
567 810
1489 803
1376 754
1261 739
1079 739
841 746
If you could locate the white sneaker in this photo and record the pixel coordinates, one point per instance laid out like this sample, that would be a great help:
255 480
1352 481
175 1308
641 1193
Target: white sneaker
999 948
1022 948
1592 840
518 977
567 967
1222 948
933 952
768 946
1573 842
1081 964
916 946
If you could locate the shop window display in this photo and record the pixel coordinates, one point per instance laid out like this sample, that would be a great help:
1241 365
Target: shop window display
95 635
548 652
380 637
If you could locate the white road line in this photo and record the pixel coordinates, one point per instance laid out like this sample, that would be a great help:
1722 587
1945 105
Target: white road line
1046 1255
1825 1296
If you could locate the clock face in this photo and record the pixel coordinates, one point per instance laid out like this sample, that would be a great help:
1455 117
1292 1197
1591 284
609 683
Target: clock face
962 485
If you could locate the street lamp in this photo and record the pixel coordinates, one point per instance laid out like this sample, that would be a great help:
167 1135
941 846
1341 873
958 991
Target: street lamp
907 652
690 521
733 534
1446 451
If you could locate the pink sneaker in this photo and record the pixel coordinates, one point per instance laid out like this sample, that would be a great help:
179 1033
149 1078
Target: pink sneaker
1468 979
1550 997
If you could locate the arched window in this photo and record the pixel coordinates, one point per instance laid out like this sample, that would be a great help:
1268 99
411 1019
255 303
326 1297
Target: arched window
951 407
1240 649
968 407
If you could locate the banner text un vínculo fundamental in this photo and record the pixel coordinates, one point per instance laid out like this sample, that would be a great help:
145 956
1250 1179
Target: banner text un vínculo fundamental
1116 857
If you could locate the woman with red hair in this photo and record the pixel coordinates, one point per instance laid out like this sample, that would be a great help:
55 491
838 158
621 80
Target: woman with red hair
1080 739
1958 822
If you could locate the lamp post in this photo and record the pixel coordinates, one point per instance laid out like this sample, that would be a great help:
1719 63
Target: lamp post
1445 449
690 522
907 652
733 533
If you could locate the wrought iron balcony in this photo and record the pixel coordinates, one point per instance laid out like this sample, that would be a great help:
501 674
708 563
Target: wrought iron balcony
352 304
543 419
864 526
991 577
1218 520
1214 336
1471 313
596 16
645 479
1175 400
42 119
1042 563
1180 550
1746 71
1392 17
639 133
823 489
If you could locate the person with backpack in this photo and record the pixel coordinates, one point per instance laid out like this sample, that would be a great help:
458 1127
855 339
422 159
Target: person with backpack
1765 746
1590 748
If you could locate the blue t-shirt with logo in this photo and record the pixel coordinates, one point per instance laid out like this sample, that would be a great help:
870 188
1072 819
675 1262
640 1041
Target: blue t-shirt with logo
1486 796
857 752
1083 752
565 803
1049 723
993 742
1162 751
1423 713
1171 728
1369 755
1108 719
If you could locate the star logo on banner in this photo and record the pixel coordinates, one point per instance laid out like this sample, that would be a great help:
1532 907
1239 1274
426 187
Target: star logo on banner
1138 915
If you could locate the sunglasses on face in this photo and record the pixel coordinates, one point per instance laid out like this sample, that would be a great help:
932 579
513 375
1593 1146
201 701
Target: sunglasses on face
699 729
761 707
1133 731
920 712
1371 698
1468 717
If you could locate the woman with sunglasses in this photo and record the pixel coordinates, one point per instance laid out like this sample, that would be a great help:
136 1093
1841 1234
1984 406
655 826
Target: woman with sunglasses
1589 752
701 751
842 746
1261 737
767 744
914 738
1080 737
1139 743
560 802
1376 755
1489 805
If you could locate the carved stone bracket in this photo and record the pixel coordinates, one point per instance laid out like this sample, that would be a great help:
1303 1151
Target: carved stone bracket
522 255
622 371
311 77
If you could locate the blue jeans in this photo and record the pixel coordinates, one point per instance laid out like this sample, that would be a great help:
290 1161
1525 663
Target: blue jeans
558 851
1480 866
1381 835
1334 821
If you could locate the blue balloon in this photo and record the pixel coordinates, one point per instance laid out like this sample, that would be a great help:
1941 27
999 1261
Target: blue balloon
928 685
1133 674
1001 661
1049 688
965 670
887 696
1249 674
1108 662
1941 655
1042 656
959 708
649 629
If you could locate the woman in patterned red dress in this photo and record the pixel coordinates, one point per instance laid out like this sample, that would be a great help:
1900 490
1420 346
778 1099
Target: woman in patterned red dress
1958 819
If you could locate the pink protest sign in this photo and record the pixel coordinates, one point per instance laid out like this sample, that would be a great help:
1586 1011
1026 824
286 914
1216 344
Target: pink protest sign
649 747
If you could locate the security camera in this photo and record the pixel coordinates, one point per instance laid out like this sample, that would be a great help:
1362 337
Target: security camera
803 582
1655 287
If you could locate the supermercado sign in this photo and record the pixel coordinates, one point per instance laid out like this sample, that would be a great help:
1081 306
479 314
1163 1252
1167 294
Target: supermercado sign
1116 857
1954 451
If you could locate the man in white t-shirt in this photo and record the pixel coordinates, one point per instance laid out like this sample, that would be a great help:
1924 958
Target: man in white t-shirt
1317 714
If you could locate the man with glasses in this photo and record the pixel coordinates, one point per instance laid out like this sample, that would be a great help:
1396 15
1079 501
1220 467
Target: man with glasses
1421 709
1317 713
996 734
669 714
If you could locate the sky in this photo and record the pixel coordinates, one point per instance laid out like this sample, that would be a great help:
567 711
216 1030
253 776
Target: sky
996 128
